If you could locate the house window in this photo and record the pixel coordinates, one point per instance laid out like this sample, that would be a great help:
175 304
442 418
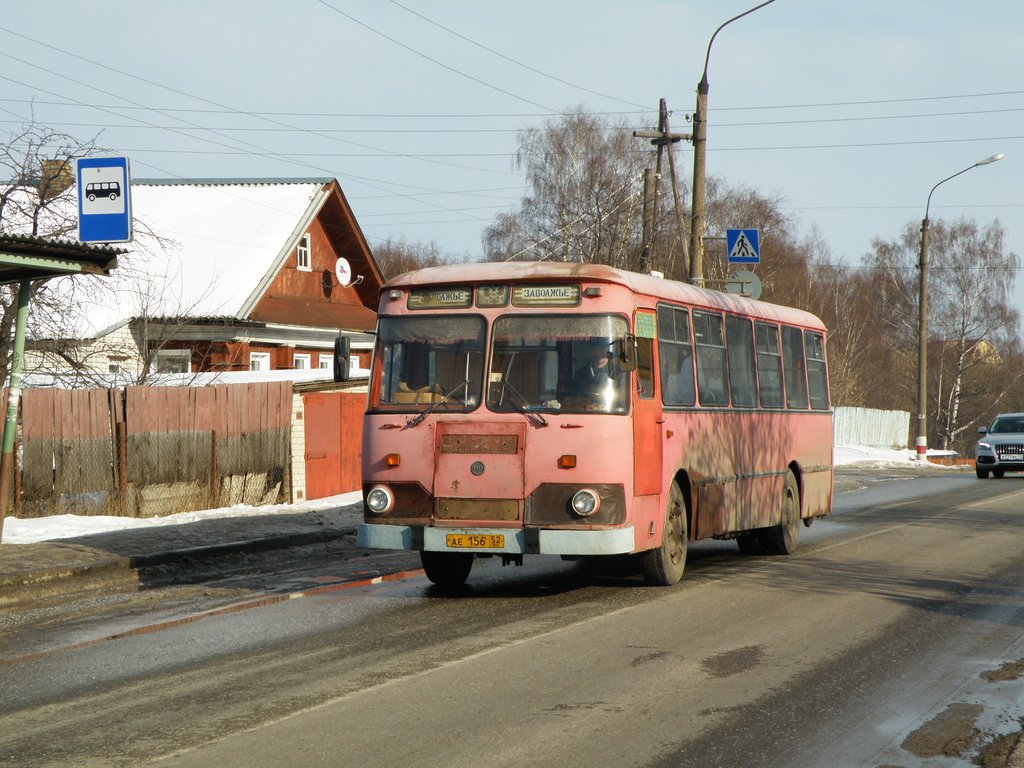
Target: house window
301 362
259 361
173 361
325 362
303 260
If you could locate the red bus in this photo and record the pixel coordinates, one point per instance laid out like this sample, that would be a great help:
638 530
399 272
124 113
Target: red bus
589 412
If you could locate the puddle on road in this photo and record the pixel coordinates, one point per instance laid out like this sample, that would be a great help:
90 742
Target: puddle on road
733 662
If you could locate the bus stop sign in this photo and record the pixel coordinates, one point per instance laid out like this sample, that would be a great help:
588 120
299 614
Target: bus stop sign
104 200
744 246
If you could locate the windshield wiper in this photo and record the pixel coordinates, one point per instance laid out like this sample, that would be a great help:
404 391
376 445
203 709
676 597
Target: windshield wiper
525 407
417 420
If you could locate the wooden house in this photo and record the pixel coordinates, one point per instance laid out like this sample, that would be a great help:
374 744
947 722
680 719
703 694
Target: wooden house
223 275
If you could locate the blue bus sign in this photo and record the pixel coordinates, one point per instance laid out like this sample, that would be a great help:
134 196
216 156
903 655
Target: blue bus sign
743 245
104 200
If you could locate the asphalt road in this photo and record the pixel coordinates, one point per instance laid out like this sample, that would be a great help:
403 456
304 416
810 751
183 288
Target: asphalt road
893 637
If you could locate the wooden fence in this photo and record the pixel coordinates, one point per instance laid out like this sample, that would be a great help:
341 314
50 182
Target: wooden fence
152 451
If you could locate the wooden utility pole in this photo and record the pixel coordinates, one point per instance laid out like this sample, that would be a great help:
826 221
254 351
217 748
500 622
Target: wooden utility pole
662 138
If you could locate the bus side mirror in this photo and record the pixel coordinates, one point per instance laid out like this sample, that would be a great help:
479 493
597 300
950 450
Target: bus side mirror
341 356
627 353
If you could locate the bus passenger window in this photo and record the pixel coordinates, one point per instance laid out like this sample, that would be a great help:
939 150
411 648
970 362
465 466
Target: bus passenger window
817 374
675 354
793 367
707 334
769 365
740 341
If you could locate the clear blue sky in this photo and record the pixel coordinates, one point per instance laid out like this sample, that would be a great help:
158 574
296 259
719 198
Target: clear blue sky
849 111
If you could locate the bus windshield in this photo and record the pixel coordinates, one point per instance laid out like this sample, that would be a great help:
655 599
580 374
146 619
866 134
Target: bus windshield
428 361
558 363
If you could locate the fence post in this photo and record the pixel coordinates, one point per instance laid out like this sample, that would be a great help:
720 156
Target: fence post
214 480
122 466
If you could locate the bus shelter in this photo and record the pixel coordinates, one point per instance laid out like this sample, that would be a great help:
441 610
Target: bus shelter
23 259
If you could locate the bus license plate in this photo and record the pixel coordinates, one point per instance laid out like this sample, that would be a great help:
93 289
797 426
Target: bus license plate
474 541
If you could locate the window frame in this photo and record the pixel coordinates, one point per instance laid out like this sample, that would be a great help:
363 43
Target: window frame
703 352
670 349
175 355
742 361
764 372
817 370
259 358
304 254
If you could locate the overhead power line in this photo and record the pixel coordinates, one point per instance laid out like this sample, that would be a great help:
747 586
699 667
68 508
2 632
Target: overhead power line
515 61
441 64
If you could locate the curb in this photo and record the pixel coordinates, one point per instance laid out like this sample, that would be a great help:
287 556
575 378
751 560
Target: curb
28 585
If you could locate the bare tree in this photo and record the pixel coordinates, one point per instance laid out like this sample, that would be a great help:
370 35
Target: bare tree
585 198
971 321
37 197
35 192
395 257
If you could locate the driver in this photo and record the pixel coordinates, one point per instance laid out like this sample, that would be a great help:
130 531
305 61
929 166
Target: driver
597 379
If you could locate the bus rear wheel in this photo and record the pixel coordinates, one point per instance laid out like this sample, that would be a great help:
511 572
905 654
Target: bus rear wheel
664 566
447 569
782 539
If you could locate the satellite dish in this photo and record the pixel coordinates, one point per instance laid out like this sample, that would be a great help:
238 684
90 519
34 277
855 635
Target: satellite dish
343 271
744 283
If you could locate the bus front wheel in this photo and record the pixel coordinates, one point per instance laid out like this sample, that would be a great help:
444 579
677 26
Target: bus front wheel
782 539
447 569
664 566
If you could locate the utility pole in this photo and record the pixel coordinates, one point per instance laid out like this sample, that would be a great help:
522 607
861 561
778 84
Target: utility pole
662 138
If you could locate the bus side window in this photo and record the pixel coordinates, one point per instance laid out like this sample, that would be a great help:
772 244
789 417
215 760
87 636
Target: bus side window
740 340
707 334
675 355
769 364
817 373
795 374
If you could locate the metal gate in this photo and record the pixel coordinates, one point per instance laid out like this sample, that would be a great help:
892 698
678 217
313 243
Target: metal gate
334 430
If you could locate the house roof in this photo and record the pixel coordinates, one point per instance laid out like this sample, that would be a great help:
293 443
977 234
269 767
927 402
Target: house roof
203 248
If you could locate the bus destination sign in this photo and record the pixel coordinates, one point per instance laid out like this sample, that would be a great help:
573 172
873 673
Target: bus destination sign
441 298
546 295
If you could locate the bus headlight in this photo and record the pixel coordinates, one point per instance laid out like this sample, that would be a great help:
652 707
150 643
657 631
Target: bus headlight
380 500
585 502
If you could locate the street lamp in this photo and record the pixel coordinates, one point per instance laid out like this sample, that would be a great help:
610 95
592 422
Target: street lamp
922 319
700 133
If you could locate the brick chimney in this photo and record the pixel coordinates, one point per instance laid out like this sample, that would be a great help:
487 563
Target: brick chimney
55 177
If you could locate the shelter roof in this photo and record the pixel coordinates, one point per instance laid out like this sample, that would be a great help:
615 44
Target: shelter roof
31 256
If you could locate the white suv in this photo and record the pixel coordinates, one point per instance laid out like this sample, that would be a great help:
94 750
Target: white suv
1001 447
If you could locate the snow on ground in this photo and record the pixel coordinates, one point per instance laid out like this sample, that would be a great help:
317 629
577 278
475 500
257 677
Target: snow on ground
857 454
17 531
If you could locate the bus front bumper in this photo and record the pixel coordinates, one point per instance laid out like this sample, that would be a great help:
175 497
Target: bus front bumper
513 541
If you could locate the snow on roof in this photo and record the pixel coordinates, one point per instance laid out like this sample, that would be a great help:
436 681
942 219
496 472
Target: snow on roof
200 249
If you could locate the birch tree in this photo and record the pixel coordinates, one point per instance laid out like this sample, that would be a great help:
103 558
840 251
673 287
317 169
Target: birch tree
585 195
971 322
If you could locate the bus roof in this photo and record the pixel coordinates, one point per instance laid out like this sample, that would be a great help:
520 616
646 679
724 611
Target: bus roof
475 273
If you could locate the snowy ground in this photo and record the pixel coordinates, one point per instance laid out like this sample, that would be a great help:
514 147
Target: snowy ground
18 531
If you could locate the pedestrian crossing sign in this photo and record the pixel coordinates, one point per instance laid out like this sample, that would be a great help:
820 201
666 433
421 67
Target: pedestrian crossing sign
743 245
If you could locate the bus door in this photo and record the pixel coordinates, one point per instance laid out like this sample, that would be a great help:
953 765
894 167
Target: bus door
648 419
